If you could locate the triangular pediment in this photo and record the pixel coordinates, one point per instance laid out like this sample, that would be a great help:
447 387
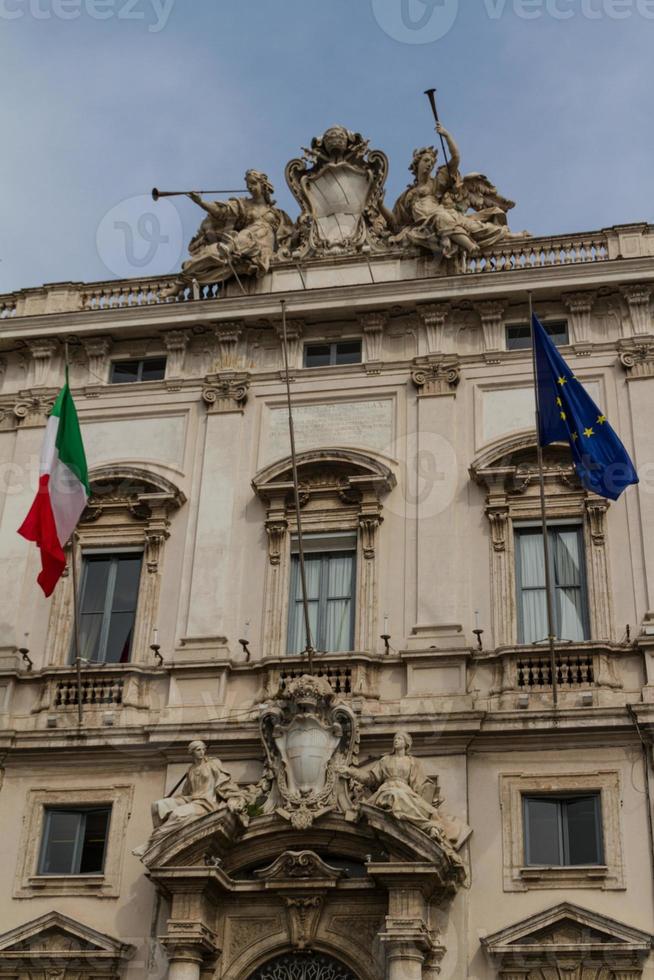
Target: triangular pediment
57 934
567 928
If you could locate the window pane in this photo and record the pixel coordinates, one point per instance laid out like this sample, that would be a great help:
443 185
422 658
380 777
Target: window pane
316 355
154 369
124 372
565 552
296 628
566 556
61 829
531 587
338 626
95 839
119 640
542 836
96 576
339 581
518 335
348 352
90 628
582 824
127 583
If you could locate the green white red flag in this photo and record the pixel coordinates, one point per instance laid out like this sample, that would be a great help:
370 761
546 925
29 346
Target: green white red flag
63 490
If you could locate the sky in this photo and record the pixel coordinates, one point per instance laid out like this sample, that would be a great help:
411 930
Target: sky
104 99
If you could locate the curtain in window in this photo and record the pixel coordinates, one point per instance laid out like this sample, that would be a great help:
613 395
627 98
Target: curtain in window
330 583
296 633
338 625
567 577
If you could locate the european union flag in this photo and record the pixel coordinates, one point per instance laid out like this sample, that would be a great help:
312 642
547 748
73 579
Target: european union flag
568 414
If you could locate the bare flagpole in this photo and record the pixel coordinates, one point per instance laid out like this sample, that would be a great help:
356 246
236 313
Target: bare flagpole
300 543
551 627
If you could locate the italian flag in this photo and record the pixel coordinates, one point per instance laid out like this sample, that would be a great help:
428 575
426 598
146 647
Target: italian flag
63 490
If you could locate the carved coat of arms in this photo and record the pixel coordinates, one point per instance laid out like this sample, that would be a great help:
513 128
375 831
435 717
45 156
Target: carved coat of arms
307 737
339 186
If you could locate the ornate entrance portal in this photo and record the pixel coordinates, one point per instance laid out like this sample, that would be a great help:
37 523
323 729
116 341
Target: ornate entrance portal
303 966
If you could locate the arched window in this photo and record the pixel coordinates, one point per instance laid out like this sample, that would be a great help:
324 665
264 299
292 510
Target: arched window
303 966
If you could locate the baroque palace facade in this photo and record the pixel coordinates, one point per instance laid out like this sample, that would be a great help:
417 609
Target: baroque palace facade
411 804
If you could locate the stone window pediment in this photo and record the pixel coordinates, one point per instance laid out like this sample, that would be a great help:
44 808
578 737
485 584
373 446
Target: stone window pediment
53 943
569 937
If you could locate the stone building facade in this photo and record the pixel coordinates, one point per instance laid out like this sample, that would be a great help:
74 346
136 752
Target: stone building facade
412 396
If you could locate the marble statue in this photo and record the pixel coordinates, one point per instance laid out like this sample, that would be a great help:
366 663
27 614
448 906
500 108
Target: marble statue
399 786
238 238
339 185
447 213
206 787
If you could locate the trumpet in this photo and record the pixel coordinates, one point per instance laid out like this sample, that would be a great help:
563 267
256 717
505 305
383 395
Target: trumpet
156 193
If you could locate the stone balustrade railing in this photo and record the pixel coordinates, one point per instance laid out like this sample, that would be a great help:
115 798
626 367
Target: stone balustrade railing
518 255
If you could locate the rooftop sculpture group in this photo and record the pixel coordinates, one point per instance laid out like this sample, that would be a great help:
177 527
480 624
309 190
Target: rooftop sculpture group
339 185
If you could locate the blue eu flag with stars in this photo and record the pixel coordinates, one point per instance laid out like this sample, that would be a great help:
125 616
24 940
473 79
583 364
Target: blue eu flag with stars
568 414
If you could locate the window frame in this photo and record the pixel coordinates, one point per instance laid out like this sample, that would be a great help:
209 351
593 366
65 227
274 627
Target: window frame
140 361
80 834
325 552
333 353
532 527
562 802
113 555
548 324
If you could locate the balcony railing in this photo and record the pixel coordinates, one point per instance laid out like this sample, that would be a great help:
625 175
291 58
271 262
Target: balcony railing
97 691
572 670
541 253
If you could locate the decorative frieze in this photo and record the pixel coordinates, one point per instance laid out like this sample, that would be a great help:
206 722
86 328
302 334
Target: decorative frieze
373 325
437 376
41 353
176 342
225 392
97 349
639 299
491 313
580 308
433 317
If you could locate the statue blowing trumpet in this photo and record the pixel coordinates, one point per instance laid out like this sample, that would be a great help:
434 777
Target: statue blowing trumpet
156 193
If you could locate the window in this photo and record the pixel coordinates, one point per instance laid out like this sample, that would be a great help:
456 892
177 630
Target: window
341 352
568 577
329 562
109 594
518 335
146 369
74 841
563 831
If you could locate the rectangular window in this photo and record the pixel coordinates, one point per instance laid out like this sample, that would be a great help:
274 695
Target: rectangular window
568 578
563 831
341 352
109 594
330 563
74 841
145 369
518 335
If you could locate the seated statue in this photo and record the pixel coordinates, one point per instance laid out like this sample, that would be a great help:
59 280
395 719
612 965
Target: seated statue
206 787
399 786
238 238
434 211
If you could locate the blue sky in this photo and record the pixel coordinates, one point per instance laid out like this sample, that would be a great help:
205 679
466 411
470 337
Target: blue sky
551 98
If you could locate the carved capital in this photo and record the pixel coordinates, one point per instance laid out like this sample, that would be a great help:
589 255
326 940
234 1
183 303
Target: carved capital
276 531
228 334
437 376
580 308
32 408
41 352
155 538
372 326
639 298
491 314
596 509
176 342
498 518
225 393
303 913
433 317
97 349
294 333
637 358
368 526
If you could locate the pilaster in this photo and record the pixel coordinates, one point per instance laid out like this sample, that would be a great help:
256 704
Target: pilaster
639 300
176 342
372 326
41 353
433 318
491 313
580 308
97 350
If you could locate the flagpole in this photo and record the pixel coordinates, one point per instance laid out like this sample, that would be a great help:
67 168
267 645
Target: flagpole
551 629
76 633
